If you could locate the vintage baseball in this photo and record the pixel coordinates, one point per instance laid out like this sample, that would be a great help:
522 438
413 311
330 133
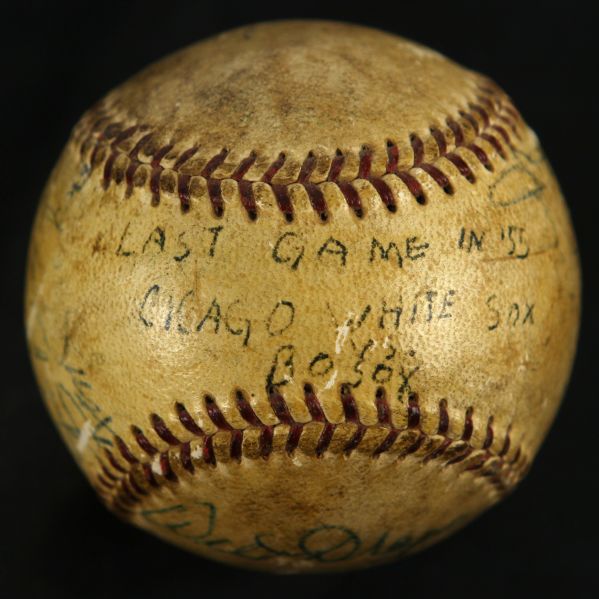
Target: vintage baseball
303 296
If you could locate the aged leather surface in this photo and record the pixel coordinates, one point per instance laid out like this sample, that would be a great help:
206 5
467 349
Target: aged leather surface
302 296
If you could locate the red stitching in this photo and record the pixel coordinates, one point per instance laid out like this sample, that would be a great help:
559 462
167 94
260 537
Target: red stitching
126 487
124 450
135 486
347 189
489 438
149 475
128 494
214 413
184 179
491 113
443 418
165 466
185 455
142 441
162 430
157 169
187 421
114 462
413 411
468 425
107 473
105 483
246 410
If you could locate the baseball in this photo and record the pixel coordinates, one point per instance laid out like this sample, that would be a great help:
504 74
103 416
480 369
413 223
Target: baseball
303 296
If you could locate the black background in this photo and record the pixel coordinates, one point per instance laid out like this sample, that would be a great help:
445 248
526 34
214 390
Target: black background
56 539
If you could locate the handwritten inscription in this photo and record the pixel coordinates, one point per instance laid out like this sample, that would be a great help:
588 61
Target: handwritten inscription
381 363
158 241
510 241
515 314
71 395
325 543
291 249
184 313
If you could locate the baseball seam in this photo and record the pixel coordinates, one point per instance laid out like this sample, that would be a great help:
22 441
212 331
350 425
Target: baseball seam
477 132
126 476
